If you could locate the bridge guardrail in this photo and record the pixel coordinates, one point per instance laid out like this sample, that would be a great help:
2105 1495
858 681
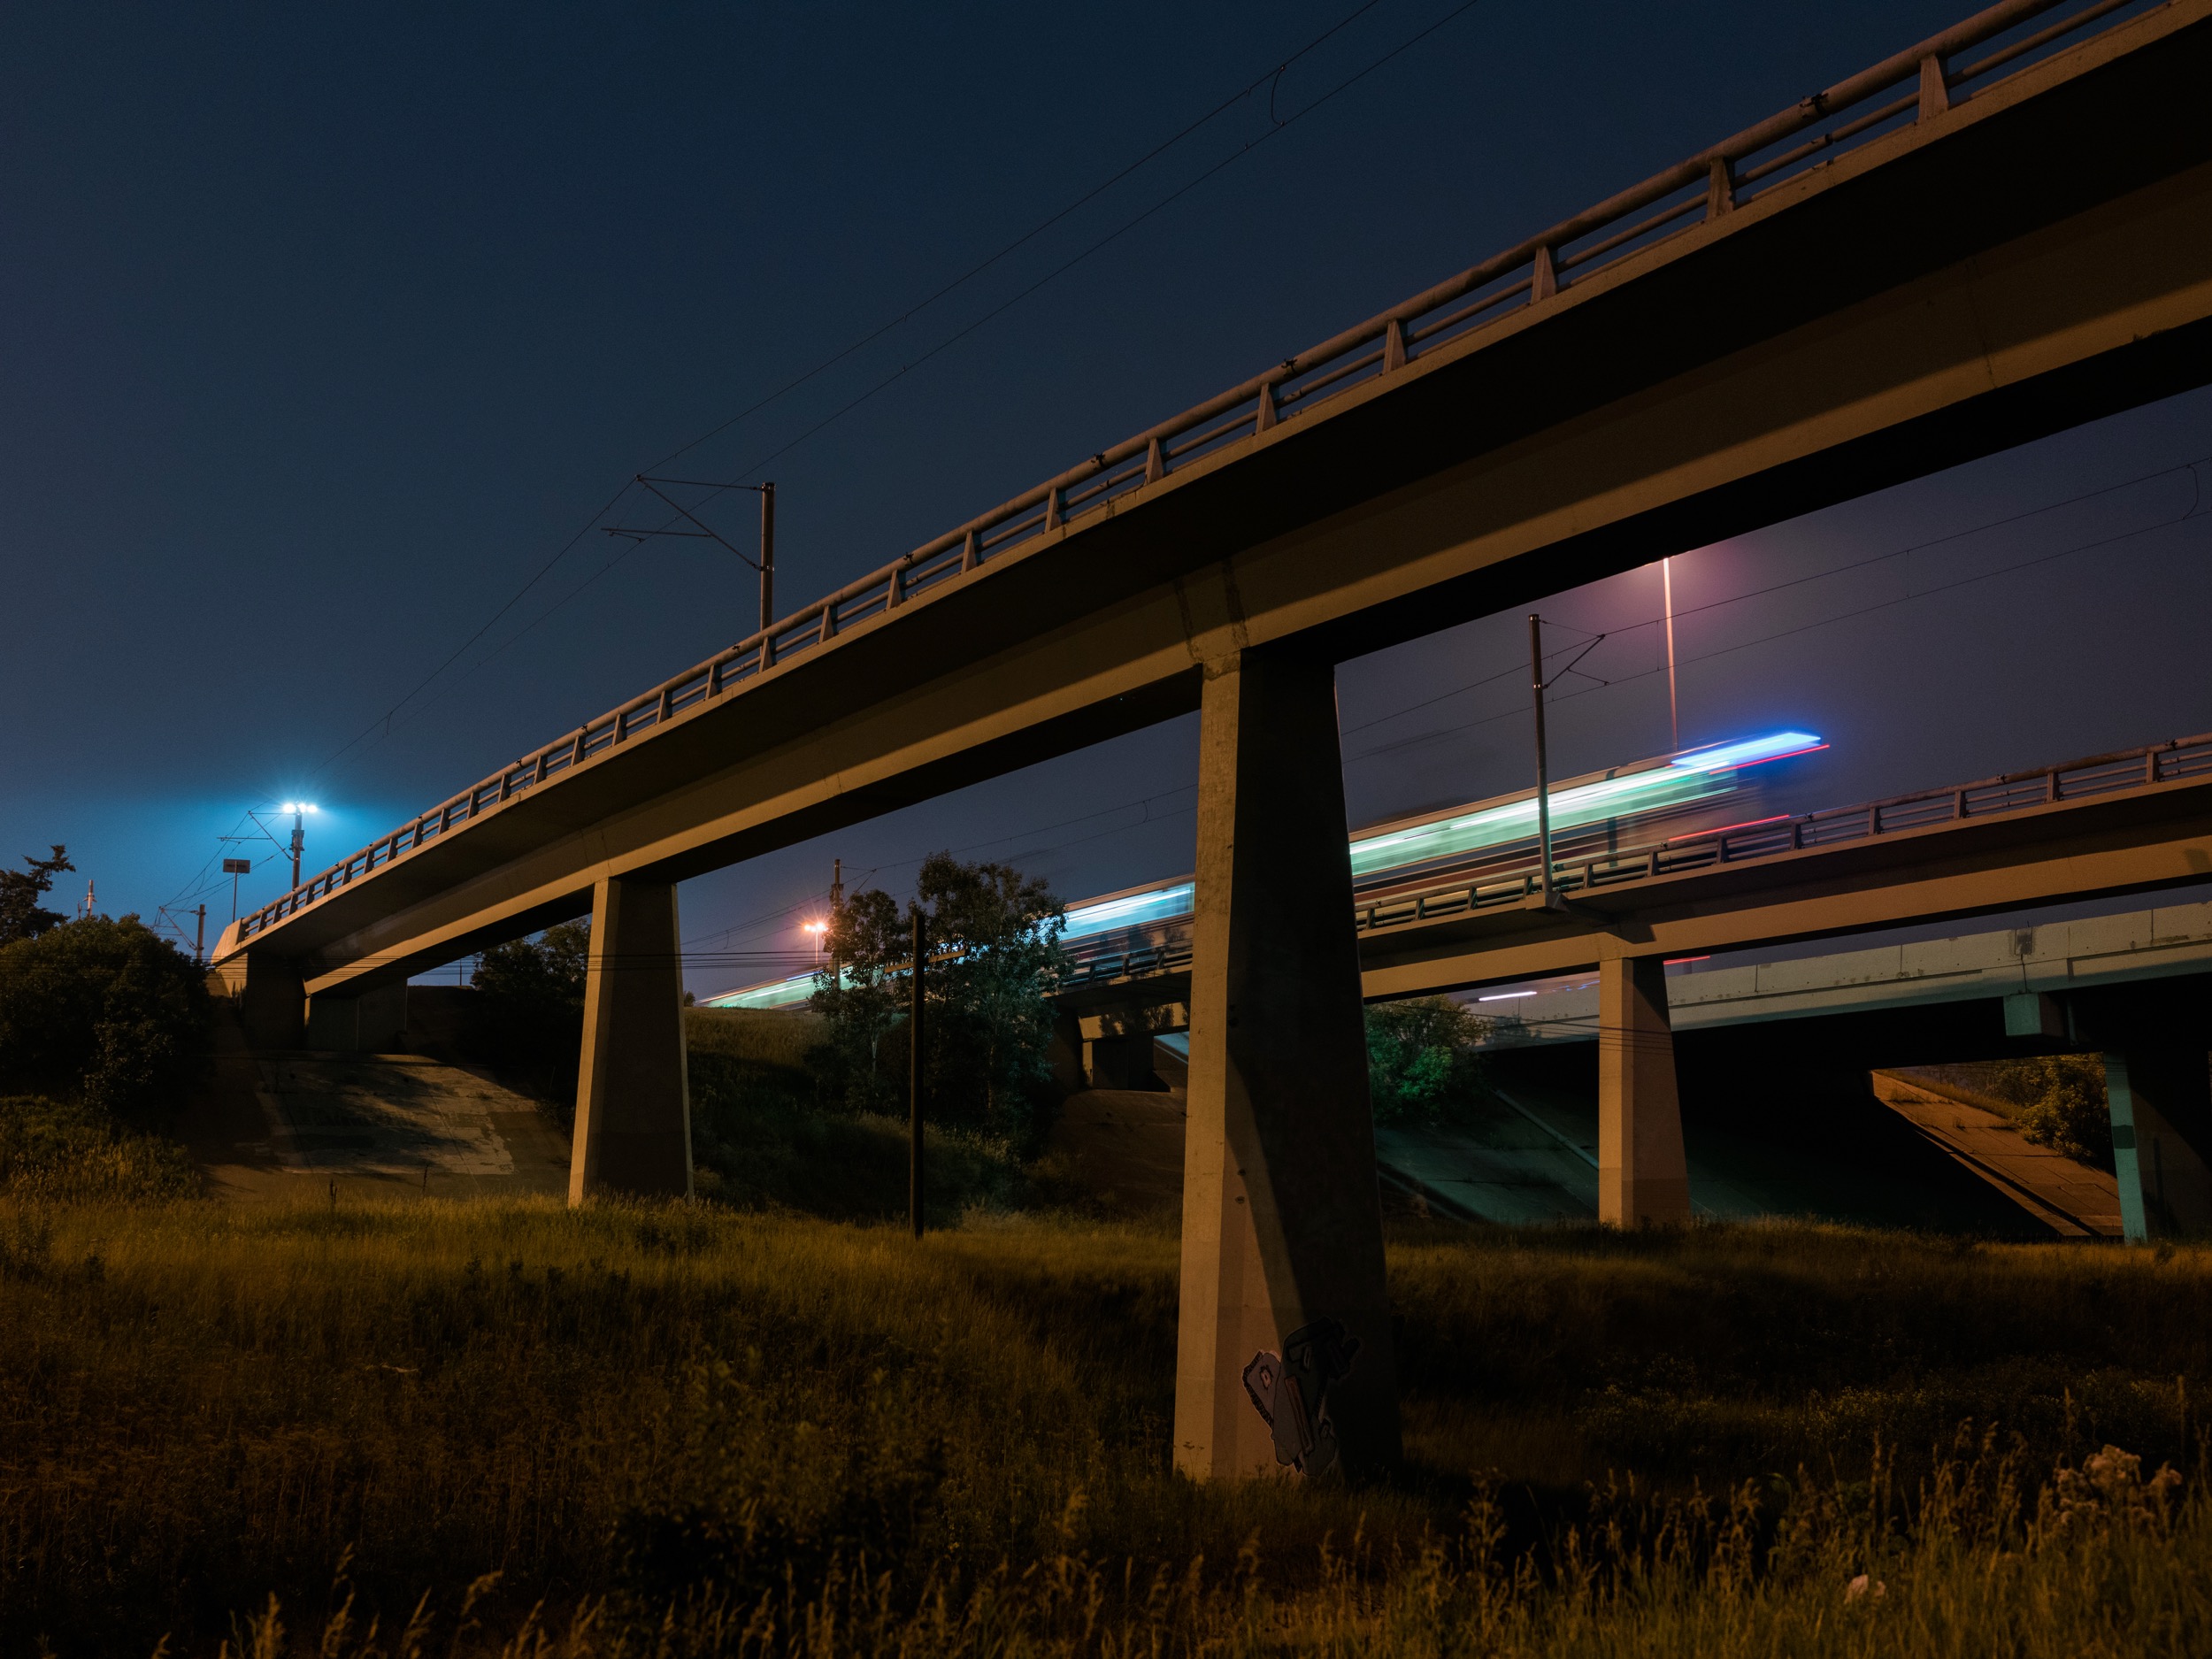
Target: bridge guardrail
2174 761
1715 181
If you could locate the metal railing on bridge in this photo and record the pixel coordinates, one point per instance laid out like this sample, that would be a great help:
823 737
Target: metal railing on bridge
2174 761
1708 185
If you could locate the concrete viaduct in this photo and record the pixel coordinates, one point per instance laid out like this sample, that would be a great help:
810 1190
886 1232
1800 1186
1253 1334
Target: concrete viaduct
2005 231
2136 822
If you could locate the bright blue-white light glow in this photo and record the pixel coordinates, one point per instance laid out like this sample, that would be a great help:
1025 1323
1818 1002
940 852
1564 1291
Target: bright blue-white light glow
1688 778
1693 776
1749 752
783 993
1516 820
1129 911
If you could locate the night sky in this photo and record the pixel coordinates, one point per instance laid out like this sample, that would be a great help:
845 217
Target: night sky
327 330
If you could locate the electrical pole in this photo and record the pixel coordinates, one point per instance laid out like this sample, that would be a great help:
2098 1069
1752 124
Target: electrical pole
299 840
199 940
767 557
702 530
914 1070
1543 779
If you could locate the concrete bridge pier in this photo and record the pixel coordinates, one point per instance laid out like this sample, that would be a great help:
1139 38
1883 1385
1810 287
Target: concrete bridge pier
2161 1102
272 997
1282 1219
633 1096
374 1022
1643 1176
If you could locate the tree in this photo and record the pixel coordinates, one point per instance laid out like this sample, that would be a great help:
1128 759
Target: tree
2059 1103
531 1023
20 891
102 1010
1420 1058
996 959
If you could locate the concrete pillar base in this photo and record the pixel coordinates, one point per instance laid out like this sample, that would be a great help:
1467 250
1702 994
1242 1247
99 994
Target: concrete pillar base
374 1022
1282 1219
632 1095
1643 1176
271 1000
2157 1097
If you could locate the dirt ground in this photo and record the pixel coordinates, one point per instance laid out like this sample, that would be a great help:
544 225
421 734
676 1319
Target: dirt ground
277 1127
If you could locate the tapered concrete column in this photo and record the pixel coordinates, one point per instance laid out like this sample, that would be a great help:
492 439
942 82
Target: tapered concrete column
1642 1174
632 1094
271 1000
1282 1221
2161 1102
374 1022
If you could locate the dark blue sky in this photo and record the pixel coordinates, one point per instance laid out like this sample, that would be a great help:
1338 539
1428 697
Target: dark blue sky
324 330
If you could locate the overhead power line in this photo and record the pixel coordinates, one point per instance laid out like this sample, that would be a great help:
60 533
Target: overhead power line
1270 77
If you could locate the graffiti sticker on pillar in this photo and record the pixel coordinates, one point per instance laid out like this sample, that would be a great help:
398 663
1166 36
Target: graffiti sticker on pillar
1291 1390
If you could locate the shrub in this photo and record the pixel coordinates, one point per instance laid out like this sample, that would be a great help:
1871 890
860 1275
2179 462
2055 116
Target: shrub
530 1024
1420 1058
104 1011
54 1150
995 957
2059 1103
761 1140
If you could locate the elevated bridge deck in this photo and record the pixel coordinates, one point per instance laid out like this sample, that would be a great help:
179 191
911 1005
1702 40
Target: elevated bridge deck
2000 232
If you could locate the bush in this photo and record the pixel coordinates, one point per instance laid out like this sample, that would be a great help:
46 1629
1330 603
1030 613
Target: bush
54 1150
2059 1103
761 1140
995 960
1421 1062
102 1010
530 1021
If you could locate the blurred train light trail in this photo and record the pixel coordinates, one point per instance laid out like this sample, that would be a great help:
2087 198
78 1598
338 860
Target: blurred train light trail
1664 786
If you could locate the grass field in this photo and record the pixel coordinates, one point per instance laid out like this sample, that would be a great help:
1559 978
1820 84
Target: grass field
685 1430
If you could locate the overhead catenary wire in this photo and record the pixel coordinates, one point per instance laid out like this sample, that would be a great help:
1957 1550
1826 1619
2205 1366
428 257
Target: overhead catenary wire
1267 78
763 461
1806 627
2191 468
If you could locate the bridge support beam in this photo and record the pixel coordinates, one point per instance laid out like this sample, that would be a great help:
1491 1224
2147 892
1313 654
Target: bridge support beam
374 1022
1643 1176
1282 1219
2161 1102
633 1096
272 1000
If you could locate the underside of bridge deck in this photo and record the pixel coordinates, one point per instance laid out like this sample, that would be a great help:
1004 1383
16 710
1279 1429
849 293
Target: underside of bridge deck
1998 269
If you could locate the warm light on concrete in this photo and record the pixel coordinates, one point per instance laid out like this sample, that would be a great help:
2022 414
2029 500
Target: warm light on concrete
1282 1221
1643 1176
633 1091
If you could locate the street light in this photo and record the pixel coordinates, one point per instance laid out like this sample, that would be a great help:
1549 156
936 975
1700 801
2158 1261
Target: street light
299 809
820 931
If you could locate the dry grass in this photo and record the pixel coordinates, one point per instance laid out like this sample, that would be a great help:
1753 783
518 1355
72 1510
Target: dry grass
54 1150
959 1448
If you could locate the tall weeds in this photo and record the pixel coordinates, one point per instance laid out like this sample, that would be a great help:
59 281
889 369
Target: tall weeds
628 1431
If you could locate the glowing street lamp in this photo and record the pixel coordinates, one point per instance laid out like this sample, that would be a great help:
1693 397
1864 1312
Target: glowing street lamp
820 930
299 809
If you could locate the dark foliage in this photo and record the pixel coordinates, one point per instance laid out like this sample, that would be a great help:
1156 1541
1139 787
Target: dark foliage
995 957
1421 1062
102 1010
2059 1102
531 1022
21 917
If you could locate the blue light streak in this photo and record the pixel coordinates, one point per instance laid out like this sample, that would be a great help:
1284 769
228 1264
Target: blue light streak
1130 910
1696 775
